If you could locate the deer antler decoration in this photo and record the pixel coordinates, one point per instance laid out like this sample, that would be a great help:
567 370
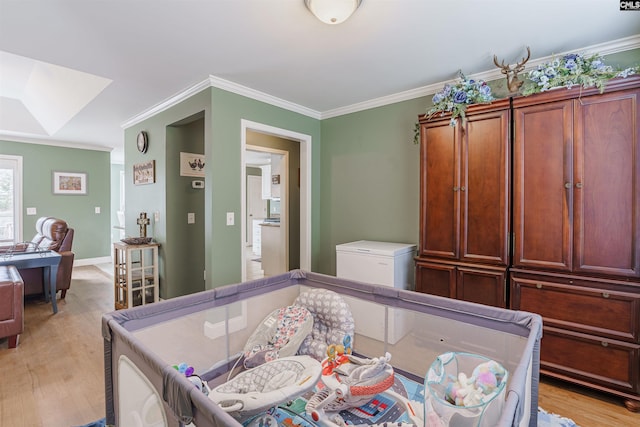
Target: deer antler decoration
512 73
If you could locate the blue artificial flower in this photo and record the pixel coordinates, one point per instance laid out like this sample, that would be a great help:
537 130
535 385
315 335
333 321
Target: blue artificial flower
460 97
438 97
550 72
571 65
570 57
485 90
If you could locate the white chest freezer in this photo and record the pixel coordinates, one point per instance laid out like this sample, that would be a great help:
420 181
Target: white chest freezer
380 263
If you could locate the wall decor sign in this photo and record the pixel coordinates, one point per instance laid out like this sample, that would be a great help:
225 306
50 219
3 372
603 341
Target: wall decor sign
191 164
144 173
69 183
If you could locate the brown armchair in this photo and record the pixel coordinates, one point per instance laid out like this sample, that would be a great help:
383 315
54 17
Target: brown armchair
53 234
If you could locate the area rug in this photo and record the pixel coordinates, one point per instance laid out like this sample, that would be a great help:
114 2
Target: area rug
100 423
545 419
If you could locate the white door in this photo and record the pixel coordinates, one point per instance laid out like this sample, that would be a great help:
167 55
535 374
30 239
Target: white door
256 206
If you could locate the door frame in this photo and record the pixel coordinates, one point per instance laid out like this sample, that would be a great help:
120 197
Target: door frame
305 187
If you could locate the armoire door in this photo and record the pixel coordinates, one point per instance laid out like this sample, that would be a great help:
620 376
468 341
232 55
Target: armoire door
606 184
439 197
485 189
543 186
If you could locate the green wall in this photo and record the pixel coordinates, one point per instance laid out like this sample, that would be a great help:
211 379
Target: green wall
188 240
370 178
228 110
92 232
222 114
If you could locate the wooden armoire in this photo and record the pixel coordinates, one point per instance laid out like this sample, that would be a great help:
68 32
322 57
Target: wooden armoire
543 193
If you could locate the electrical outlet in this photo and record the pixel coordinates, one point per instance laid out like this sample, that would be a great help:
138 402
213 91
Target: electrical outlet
156 216
230 218
191 218
31 211
97 209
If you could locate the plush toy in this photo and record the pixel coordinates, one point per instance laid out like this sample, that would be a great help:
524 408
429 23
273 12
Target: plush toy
472 391
488 375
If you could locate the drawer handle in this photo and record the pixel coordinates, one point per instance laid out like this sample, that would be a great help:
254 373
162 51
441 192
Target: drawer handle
605 344
605 295
539 285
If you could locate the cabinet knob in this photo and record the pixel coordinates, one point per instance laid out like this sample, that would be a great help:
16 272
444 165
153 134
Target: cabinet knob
579 185
462 188
605 344
567 185
455 188
605 295
539 285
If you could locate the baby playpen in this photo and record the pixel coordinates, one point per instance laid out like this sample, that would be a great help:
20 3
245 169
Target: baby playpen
209 330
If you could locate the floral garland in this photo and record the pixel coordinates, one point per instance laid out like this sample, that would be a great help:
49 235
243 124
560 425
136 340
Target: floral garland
571 70
455 98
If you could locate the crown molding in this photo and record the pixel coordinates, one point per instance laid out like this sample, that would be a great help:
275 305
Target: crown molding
607 48
166 104
217 82
223 84
28 139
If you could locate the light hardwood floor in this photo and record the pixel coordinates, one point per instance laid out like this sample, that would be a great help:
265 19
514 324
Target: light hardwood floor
55 378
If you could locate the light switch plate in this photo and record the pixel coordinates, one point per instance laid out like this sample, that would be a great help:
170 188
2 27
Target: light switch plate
97 209
156 216
230 218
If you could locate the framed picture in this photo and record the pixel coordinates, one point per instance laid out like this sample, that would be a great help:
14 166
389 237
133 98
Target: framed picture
191 164
70 183
144 173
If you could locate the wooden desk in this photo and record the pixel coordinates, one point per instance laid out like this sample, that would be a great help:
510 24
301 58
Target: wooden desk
49 260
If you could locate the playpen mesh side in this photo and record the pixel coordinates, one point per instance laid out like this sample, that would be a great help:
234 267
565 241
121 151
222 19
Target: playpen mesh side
117 329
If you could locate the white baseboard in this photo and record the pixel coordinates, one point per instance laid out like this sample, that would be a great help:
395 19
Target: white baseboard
91 261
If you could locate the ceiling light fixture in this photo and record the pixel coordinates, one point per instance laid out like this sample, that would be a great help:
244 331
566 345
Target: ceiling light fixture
332 11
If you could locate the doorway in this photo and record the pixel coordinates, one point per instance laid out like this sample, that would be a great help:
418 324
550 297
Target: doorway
268 216
301 229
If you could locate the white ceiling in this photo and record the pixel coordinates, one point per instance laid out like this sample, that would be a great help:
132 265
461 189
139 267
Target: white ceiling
153 50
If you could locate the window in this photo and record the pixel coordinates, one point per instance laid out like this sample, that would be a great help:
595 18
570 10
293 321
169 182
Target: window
10 199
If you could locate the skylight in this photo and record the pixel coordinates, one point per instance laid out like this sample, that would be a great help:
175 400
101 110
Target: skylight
37 98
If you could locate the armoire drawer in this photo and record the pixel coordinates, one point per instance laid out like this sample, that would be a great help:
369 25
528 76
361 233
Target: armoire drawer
612 312
609 363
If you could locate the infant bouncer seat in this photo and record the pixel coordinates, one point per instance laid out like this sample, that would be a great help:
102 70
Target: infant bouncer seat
260 388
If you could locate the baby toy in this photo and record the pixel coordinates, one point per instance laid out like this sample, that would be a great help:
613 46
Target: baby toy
188 372
337 354
474 390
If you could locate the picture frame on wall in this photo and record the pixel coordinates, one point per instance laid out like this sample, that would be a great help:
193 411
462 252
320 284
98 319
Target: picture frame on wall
73 183
144 173
191 164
